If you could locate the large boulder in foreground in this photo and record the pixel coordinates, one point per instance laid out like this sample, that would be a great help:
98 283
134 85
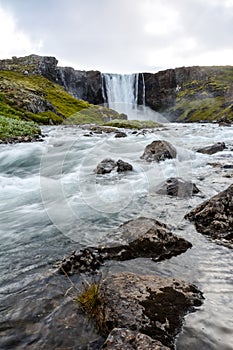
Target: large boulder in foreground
217 147
125 339
177 187
214 217
145 238
138 238
159 150
152 305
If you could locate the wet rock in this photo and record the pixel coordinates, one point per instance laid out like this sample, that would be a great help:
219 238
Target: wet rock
142 238
217 147
125 339
151 305
120 134
22 139
214 217
177 187
108 165
123 166
87 260
223 121
146 238
158 151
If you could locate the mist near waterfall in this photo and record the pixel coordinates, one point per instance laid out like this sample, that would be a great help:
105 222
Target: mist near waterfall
121 92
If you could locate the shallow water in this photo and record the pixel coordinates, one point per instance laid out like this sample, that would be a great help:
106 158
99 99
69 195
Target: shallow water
52 203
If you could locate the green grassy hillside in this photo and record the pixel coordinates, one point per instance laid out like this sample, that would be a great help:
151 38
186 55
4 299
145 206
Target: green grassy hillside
209 99
35 98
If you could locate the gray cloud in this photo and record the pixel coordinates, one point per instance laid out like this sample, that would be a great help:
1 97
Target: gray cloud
122 35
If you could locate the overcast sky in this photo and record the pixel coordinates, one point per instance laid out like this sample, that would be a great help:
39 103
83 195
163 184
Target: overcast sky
119 35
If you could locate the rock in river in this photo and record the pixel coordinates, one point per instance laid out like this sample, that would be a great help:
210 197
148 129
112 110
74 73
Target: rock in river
158 151
177 187
107 165
139 238
217 147
214 217
125 339
152 305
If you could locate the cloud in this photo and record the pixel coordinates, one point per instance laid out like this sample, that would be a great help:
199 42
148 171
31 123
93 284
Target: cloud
122 35
13 41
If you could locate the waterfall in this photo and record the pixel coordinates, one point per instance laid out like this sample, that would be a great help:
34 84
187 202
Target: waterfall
120 91
143 91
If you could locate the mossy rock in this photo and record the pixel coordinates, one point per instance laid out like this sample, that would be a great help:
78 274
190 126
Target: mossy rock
133 124
206 99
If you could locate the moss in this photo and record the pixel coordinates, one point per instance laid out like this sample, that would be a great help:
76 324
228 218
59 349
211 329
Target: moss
18 92
209 98
12 128
93 114
133 124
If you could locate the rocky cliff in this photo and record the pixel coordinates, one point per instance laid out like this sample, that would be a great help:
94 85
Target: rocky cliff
183 94
80 84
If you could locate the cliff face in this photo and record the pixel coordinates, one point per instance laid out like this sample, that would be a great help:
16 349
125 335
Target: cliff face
184 94
81 84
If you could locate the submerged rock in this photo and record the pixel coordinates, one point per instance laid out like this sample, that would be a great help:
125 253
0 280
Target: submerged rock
158 151
214 217
217 147
120 134
125 339
151 305
177 187
143 238
107 165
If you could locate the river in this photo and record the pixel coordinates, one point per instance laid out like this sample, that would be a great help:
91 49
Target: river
52 203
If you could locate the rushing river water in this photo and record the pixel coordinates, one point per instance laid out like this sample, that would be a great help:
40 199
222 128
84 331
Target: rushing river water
52 203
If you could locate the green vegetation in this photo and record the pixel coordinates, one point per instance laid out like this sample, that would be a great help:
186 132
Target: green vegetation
132 124
90 301
12 128
210 98
93 115
36 98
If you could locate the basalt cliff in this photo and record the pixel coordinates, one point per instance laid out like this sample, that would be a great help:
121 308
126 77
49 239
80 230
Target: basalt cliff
182 94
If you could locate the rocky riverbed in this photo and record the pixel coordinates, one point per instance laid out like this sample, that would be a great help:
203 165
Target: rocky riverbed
54 203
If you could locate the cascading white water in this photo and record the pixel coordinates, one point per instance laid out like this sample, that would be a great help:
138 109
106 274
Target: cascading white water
120 91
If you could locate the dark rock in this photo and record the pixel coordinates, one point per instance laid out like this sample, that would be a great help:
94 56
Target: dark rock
228 166
158 151
87 260
151 305
177 187
214 217
125 339
143 238
217 147
146 238
120 134
123 166
223 121
106 166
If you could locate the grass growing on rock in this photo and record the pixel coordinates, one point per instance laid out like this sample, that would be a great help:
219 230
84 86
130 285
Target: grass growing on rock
36 98
209 98
133 124
12 128
90 301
